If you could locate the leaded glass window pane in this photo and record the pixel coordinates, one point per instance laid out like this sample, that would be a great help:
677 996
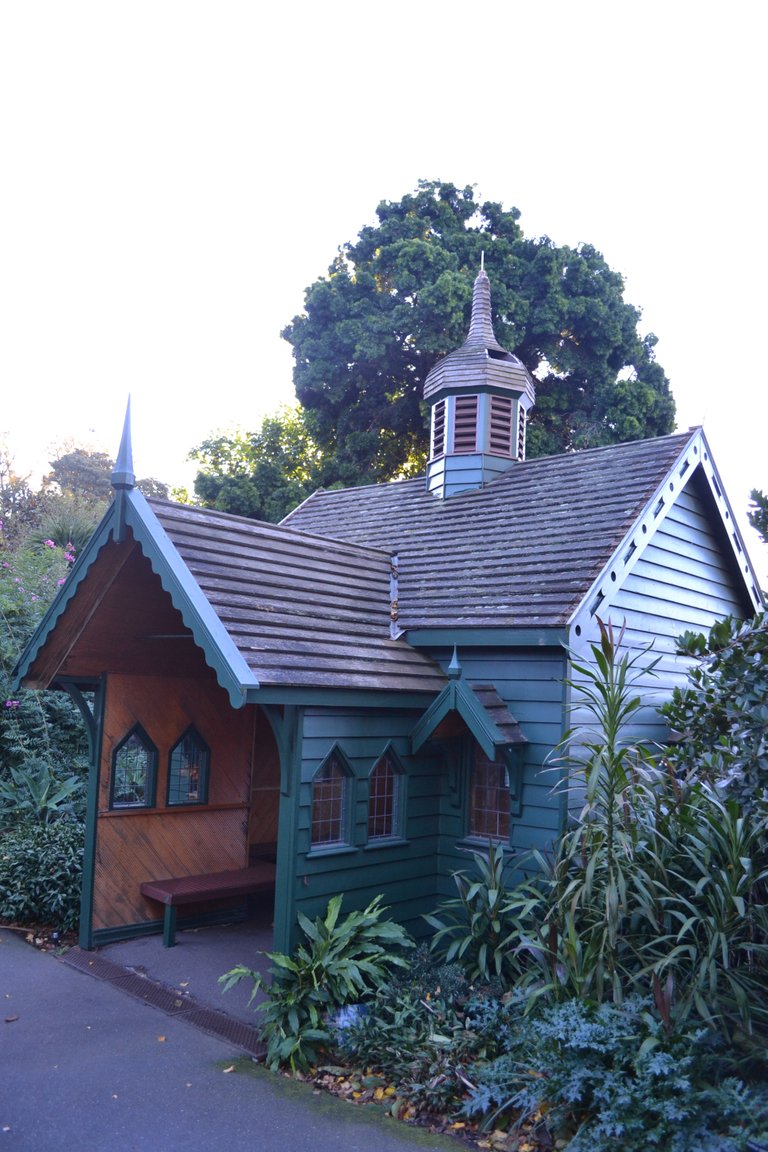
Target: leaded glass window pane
133 772
188 770
489 798
329 794
384 799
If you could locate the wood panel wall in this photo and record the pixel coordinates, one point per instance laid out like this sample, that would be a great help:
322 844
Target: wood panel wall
149 844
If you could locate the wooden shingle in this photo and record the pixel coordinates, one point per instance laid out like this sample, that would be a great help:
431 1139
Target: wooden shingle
521 552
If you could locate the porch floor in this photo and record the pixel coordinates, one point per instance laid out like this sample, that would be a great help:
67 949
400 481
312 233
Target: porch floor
201 955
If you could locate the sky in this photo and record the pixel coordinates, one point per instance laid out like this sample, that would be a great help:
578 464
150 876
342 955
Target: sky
174 174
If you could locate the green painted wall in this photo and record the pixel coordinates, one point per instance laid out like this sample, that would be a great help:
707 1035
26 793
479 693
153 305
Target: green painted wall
415 872
403 870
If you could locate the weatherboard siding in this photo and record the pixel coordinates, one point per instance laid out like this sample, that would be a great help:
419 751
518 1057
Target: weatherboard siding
681 583
401 870
530 681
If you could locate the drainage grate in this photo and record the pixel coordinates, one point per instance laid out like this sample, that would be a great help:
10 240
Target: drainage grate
91 962
166 999
227 1028
170 1001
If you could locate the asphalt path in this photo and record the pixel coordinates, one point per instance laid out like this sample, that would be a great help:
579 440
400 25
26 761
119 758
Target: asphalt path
84 1066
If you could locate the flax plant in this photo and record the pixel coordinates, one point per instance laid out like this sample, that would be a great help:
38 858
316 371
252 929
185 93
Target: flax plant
603 892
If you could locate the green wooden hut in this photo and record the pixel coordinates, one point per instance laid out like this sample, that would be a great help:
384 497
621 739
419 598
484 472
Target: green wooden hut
348 701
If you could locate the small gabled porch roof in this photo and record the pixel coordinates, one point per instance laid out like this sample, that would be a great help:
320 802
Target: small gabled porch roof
482 710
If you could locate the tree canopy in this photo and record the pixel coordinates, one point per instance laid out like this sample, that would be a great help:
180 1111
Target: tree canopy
260 474
398 298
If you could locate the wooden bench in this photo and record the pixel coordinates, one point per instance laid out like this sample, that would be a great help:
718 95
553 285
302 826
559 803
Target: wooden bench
172 893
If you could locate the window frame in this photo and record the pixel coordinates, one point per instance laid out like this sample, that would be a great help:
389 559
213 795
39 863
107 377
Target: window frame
344 818
203 768
399 796
150 790
503 813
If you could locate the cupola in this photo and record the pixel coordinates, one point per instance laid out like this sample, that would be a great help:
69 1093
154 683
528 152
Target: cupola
480 396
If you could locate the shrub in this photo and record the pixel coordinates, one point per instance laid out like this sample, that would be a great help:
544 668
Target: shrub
482 927
415 1031
34 792
722 716
40 873
342 961
609 1076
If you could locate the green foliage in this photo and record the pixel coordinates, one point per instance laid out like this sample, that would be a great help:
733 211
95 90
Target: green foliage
340 961
483 925
721 717
33 792
67 523
85 477
399 298
660 885
20 506
758 513
264 474
610 1077
33 725
601 893
40 873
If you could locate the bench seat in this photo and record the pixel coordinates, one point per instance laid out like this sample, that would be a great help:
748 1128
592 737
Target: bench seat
173 892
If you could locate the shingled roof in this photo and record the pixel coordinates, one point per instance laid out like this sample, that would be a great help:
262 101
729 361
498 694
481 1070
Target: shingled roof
521 552
303 612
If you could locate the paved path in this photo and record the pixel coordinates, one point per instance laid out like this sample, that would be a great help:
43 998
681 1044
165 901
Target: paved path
85 1066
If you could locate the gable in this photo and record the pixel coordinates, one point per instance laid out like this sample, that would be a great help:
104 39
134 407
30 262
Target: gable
264 608
681 566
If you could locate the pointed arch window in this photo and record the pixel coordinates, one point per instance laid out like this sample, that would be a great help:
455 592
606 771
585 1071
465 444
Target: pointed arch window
489 798
188 770
386 798
331 792
134 771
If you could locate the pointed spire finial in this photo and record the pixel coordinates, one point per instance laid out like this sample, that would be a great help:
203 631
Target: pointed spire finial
481 325
123 475
454 668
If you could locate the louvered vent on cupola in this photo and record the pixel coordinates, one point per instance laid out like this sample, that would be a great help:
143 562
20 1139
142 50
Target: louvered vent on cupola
501 426
438 429
465 424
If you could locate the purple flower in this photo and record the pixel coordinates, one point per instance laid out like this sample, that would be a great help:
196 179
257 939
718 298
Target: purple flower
12 703
49 543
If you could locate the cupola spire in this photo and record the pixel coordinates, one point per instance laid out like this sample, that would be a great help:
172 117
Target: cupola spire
480 396
481 324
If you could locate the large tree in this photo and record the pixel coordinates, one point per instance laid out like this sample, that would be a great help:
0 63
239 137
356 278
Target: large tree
399 298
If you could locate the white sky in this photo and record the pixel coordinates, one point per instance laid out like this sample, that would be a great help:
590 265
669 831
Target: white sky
174 173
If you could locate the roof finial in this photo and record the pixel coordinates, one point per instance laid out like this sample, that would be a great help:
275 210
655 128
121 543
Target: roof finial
454 668
481 325
123 475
